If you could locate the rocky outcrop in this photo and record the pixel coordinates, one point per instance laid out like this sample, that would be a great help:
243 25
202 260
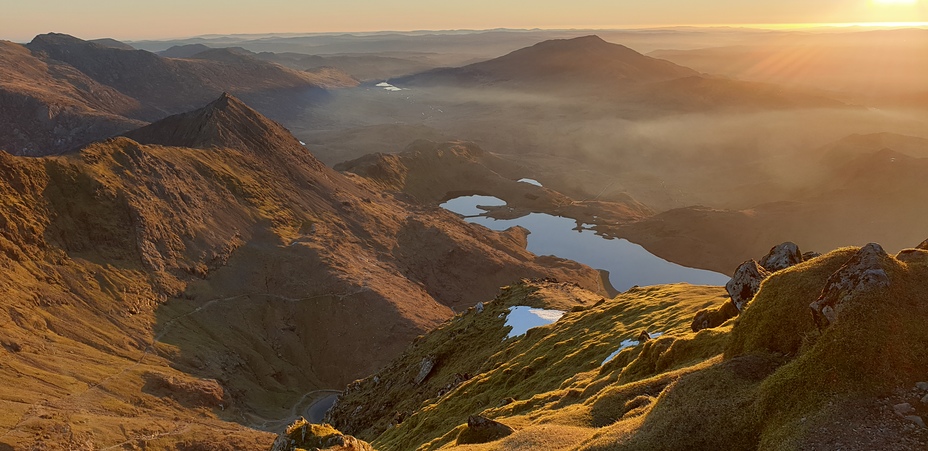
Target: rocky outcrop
482 430
304 435
862 272
782 256
744 284
746 281
425 369
923 246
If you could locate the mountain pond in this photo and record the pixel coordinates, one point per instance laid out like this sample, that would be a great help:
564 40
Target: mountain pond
628 264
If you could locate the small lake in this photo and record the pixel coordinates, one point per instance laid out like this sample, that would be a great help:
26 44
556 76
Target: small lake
315 413
628 263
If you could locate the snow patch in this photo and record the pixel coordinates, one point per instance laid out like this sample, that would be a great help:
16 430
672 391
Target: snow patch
627 344
388 86
530 182
522 318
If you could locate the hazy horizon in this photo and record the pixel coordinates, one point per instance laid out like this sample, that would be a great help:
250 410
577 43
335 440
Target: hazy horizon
173 19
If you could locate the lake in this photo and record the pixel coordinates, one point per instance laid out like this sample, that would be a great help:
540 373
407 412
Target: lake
628 264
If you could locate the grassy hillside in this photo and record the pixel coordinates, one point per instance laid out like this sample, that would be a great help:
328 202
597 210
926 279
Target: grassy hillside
770 379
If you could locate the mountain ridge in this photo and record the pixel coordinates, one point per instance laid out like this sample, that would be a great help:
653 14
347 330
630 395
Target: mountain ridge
200 286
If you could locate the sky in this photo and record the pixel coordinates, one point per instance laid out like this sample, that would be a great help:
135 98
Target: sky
134 19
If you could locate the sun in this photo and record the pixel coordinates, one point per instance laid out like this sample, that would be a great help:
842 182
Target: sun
895 2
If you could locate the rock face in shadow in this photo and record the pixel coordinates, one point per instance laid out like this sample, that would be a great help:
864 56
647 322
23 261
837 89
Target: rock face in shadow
744 284
861 273
782 256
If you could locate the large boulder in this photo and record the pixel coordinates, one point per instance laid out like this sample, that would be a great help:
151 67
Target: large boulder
425 369
744 284
482 430
782 256
863 272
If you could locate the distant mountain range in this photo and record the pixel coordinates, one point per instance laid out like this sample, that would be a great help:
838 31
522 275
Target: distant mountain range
592 67
586 59
61 92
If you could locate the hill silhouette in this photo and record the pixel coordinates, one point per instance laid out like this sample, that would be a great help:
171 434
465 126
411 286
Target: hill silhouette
586 59
614 74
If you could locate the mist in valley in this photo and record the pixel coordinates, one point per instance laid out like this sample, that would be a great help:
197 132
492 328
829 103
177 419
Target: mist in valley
219 233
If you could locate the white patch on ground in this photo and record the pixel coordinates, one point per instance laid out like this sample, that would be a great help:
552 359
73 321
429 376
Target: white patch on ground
531 182
302 143
522 318
627 344
388 86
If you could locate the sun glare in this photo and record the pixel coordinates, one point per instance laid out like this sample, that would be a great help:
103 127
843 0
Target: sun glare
895 2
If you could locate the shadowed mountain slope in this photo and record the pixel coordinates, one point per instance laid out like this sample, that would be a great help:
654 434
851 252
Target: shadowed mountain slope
169 85
49 106
60 92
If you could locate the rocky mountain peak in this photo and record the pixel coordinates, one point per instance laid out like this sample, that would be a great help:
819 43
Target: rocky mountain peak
226 122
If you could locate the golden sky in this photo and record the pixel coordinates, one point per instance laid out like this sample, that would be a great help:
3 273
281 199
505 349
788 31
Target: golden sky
132 19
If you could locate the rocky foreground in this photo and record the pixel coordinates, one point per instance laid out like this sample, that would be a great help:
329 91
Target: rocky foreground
816 352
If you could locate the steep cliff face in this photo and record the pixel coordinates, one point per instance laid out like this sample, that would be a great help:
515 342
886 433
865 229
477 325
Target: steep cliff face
628 373
209 277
